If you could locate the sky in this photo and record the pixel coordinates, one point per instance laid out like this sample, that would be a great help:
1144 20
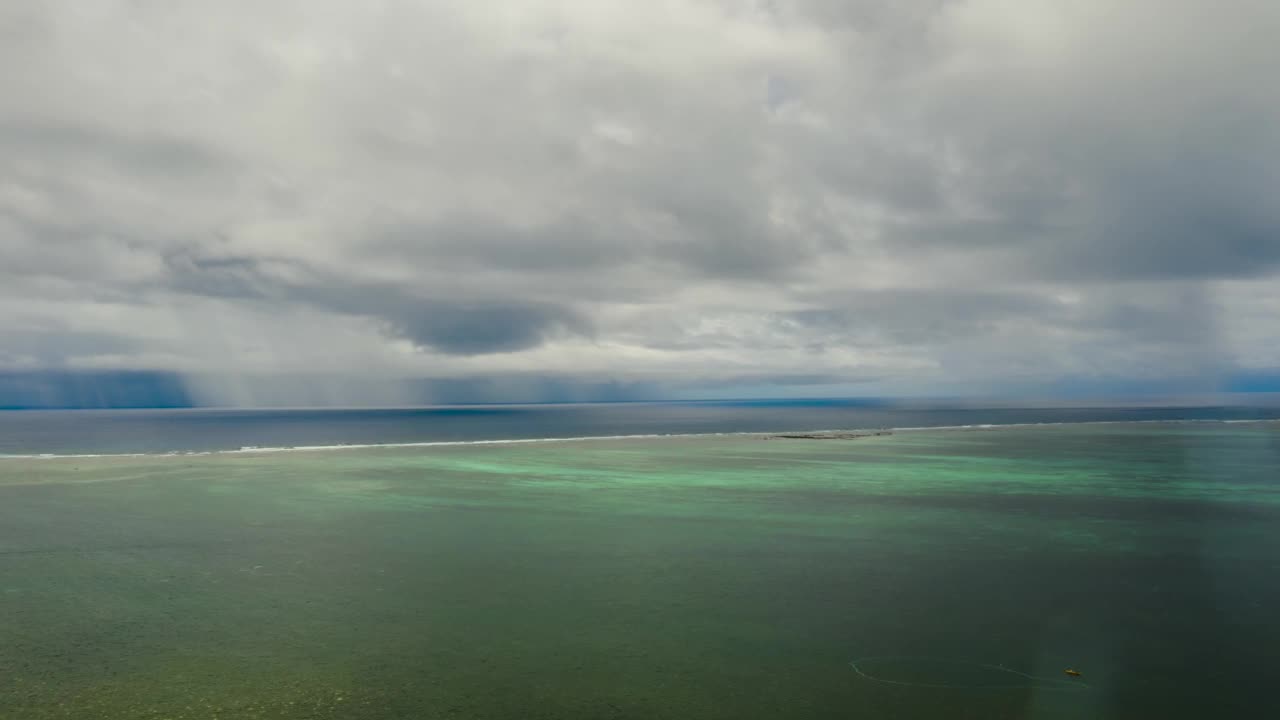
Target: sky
397 202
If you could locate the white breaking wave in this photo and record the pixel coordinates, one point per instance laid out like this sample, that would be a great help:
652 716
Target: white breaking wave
254 450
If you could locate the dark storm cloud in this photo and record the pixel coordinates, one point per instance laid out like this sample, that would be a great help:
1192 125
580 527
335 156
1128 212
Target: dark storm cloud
454 326
51 389
462 329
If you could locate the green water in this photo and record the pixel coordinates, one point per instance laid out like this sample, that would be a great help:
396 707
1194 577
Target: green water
728 577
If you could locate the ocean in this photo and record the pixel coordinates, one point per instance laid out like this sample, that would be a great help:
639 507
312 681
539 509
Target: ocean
683 564
205 430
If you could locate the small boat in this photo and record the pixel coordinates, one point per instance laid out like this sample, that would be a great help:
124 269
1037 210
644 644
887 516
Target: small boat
1072 672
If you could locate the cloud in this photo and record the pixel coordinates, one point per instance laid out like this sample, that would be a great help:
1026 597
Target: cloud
698 194
450 325
470 329
42 349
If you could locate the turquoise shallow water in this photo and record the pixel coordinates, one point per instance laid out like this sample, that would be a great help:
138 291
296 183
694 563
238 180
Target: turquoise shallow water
729 577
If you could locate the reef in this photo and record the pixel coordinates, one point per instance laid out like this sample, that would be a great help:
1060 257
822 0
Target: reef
828 435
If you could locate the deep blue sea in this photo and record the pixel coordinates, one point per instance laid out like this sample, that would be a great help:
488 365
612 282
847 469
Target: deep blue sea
197 430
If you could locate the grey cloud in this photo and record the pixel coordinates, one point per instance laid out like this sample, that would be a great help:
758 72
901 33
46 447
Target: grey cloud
450 325
52 389
1150 314
145 154
785 380
698 220
477 241
1140 156
54 347
868 16
916 317
466 329
720 238
796 190
1140 331
231 277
